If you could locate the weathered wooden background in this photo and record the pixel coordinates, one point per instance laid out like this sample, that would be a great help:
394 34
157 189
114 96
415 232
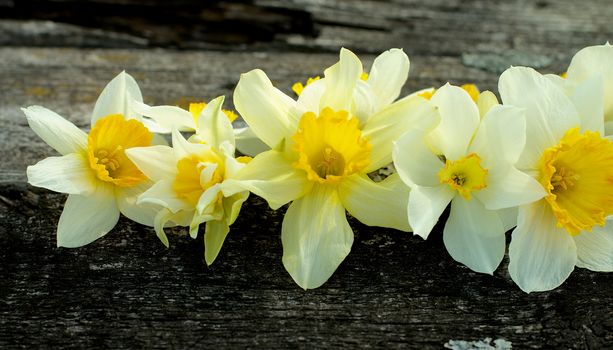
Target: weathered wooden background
393 291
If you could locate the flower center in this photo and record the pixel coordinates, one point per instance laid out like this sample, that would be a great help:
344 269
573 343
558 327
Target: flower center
196 108
106 145
577 174
330 146
195 174
464 175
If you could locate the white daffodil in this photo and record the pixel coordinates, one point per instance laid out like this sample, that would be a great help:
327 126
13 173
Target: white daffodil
189 179
93 168
568 154
322 148
163 119
469 162
589 69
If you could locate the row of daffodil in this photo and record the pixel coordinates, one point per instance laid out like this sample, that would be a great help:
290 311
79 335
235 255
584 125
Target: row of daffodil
540 161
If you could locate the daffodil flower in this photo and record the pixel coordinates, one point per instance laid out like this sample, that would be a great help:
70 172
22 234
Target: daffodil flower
93 168
568 154
189 179
469 162
589 69
322 148
163 119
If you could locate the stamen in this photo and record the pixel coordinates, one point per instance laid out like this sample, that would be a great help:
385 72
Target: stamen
564 178
458 179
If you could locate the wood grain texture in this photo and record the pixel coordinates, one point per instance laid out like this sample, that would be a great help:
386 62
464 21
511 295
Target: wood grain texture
393 291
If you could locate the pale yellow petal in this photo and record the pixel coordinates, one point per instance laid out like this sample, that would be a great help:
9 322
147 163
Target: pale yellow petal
214 235
271 176
381 204
316 237
266 109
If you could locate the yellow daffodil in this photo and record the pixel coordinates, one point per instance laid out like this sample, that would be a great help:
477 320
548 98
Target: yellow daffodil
322 147
189 179
469 162
568 154
93 169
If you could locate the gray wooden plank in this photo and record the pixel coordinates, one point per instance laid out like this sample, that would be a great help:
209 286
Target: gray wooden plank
436 27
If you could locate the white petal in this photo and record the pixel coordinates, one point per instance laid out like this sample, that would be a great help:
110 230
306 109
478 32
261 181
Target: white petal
508 217
388 74
558 81
127 198
164 118
501 137
508 187
161 193
459 121
389 124
214 236
588 97
316 237
341 79
62 135
87 218
310 97
248 143
414 160
377 204
214 126
474 236
549 112
267 110
156 162
595 61
426 204
364 102
270 176
66 174
595 249
541 255
117 97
